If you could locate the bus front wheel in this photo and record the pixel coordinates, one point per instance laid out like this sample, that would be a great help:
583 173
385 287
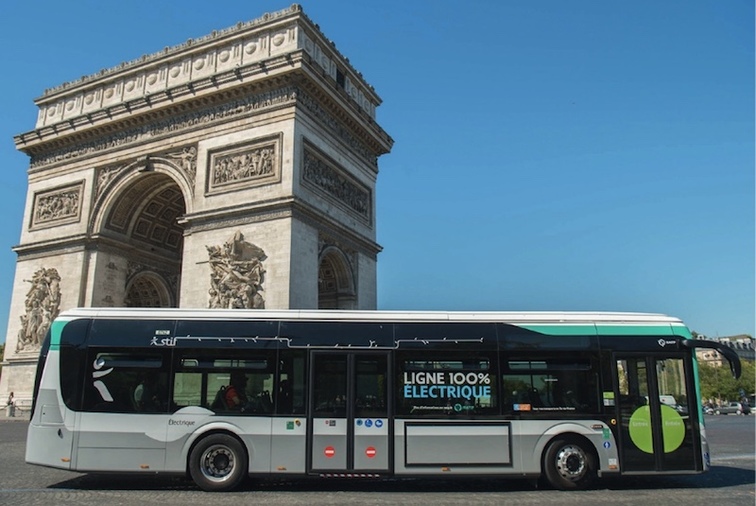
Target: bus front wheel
569 464
218 463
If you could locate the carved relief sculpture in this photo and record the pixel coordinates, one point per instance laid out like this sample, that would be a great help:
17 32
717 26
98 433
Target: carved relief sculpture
62 204
104 176
244 166
237 275
237 167
42 306
334 183
188 161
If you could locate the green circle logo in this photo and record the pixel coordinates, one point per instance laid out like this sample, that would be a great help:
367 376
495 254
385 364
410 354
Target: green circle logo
673 429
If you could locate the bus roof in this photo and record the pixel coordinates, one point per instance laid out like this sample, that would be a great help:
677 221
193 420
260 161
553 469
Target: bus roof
516 318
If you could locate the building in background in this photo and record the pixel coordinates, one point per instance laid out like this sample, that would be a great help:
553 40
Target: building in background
237 170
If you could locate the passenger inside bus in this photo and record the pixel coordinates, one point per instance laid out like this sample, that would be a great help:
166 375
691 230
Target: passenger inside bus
237 399
147 395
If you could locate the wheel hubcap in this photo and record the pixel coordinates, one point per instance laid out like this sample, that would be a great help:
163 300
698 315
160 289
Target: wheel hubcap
571 462
217 463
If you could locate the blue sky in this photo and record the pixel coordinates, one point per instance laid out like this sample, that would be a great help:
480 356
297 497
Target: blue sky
549 155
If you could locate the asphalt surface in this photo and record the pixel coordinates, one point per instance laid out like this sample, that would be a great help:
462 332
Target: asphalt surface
731 481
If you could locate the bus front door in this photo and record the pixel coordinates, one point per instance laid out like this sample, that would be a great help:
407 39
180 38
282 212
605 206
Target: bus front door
656 409
348 417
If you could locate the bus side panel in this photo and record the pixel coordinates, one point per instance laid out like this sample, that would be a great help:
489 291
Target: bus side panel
424 447
118 442
49 439
289 445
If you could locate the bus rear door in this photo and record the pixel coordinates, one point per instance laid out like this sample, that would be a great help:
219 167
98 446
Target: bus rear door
349 430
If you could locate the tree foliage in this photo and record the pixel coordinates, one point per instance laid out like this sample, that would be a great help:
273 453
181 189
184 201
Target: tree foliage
718 383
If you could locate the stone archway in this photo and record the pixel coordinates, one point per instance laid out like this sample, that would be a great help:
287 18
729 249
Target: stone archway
140 238
148 289
336 287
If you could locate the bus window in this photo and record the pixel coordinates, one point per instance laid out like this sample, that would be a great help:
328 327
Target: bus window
237 384
370 387
546 385
291 382
438 384
125 382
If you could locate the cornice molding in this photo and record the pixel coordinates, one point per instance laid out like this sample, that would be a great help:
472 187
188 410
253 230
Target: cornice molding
220 59
369 141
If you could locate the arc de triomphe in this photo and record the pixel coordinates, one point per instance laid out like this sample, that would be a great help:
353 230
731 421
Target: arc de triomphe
237 170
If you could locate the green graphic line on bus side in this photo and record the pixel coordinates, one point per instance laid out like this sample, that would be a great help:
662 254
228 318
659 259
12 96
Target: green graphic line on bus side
604 329
673 429
56 330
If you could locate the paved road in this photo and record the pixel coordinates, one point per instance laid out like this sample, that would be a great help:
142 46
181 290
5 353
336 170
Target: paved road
730 482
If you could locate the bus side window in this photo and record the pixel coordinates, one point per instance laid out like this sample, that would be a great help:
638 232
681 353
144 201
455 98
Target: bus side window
292 371
557 384
113 377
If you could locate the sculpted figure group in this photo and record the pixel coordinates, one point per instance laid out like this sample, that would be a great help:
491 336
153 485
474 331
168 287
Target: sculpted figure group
237 274
42 306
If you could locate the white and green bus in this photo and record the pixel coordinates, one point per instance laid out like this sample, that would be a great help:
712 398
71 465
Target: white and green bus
219 395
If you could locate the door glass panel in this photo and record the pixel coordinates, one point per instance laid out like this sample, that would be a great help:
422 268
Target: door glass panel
676 427
635 415
330 389
370 387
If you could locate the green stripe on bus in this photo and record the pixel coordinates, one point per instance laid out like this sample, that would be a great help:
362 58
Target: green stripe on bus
56 330
562 330
634 330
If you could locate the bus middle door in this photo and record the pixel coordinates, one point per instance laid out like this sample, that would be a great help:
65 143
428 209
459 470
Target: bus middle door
348 416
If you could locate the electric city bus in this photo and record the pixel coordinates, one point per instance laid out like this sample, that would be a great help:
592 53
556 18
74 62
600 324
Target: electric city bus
220 395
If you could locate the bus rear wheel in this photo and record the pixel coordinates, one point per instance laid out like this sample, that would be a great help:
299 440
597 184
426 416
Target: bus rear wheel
218 463
569 464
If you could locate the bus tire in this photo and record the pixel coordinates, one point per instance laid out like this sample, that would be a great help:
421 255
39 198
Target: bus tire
218 463
569 464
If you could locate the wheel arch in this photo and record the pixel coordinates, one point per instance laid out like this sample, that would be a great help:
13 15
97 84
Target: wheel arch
566 430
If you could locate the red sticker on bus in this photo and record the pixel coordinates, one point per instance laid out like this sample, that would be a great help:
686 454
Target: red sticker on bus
329 451
370 452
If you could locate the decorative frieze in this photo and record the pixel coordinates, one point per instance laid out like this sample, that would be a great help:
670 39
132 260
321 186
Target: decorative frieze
336 127
328 178
42 307
57 206
236 275
198 119
251 164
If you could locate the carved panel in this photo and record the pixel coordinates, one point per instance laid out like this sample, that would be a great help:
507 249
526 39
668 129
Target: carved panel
42 307
327 178
187 160
236 275
57 206
246 165
105 175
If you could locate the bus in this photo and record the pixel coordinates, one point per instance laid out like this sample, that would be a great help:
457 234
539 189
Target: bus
222 395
